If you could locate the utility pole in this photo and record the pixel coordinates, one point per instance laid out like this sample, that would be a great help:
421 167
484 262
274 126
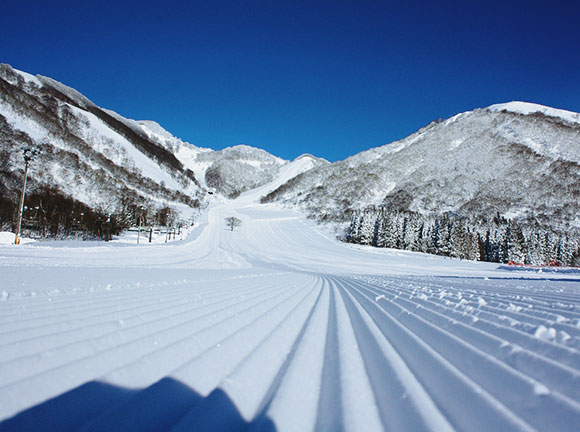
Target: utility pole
139 227
29 155
140 220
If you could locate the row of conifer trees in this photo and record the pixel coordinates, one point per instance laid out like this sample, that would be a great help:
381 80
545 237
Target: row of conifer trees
495 239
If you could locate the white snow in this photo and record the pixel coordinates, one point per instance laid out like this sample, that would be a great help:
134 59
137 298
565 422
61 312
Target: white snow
22 123
147 166
102 139
69 92
530 108
7 238
28 77
455 143
277 323
154 129
546 333
288 171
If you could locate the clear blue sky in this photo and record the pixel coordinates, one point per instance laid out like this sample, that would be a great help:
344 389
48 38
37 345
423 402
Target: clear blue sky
330 78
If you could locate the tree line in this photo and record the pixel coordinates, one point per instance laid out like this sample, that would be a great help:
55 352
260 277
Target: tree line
495 239
48 213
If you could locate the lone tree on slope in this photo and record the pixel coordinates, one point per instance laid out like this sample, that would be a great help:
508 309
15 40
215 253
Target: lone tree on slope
233 222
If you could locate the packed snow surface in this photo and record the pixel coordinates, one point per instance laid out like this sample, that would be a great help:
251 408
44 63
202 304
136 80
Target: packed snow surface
279 326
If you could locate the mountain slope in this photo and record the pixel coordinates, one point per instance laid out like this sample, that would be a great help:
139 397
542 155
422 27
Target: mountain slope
230 171
89 153
476 163
109 162
517 159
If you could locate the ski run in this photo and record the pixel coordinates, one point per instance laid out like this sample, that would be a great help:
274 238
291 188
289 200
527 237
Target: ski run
278 326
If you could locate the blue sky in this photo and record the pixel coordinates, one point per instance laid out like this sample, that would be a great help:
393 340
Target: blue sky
330 78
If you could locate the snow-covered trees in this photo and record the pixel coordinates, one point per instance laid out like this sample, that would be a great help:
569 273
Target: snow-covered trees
368 227
493 240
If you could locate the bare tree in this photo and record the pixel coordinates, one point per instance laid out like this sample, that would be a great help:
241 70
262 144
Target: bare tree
171 219
233 222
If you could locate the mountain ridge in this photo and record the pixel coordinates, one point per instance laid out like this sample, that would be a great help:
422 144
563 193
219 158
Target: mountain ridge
92 159
516 159
478 162
97 142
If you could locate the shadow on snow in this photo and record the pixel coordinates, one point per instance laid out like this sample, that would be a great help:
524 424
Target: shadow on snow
166 405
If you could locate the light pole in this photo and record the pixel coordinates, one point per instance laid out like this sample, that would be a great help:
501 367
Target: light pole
139 227
140 214
29 155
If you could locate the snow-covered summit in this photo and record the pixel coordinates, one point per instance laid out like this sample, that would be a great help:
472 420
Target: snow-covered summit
151 127
27 77
287 172
531 108
183 150
66 92
250 154
311 157
476 163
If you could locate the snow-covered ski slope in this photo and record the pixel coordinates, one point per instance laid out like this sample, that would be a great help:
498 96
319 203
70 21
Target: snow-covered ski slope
278 326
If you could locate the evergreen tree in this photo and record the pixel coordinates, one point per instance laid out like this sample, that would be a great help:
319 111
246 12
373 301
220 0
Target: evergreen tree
495 240
367 229
434 236
353 234
515 244
444 247
404 243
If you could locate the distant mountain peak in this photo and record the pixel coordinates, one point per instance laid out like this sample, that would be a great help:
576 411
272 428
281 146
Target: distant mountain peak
311 156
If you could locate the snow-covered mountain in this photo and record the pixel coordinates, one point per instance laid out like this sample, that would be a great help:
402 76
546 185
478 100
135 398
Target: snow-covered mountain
518 159
91 154
233 170
107 161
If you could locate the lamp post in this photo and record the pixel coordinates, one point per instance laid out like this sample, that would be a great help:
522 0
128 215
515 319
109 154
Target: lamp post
140 214
29 155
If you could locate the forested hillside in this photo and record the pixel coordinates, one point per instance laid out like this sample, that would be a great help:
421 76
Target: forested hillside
493 239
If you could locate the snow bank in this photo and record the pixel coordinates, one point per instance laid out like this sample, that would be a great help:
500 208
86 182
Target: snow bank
7 238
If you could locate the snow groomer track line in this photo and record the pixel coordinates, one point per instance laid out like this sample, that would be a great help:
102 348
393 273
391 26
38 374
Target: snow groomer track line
277 326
